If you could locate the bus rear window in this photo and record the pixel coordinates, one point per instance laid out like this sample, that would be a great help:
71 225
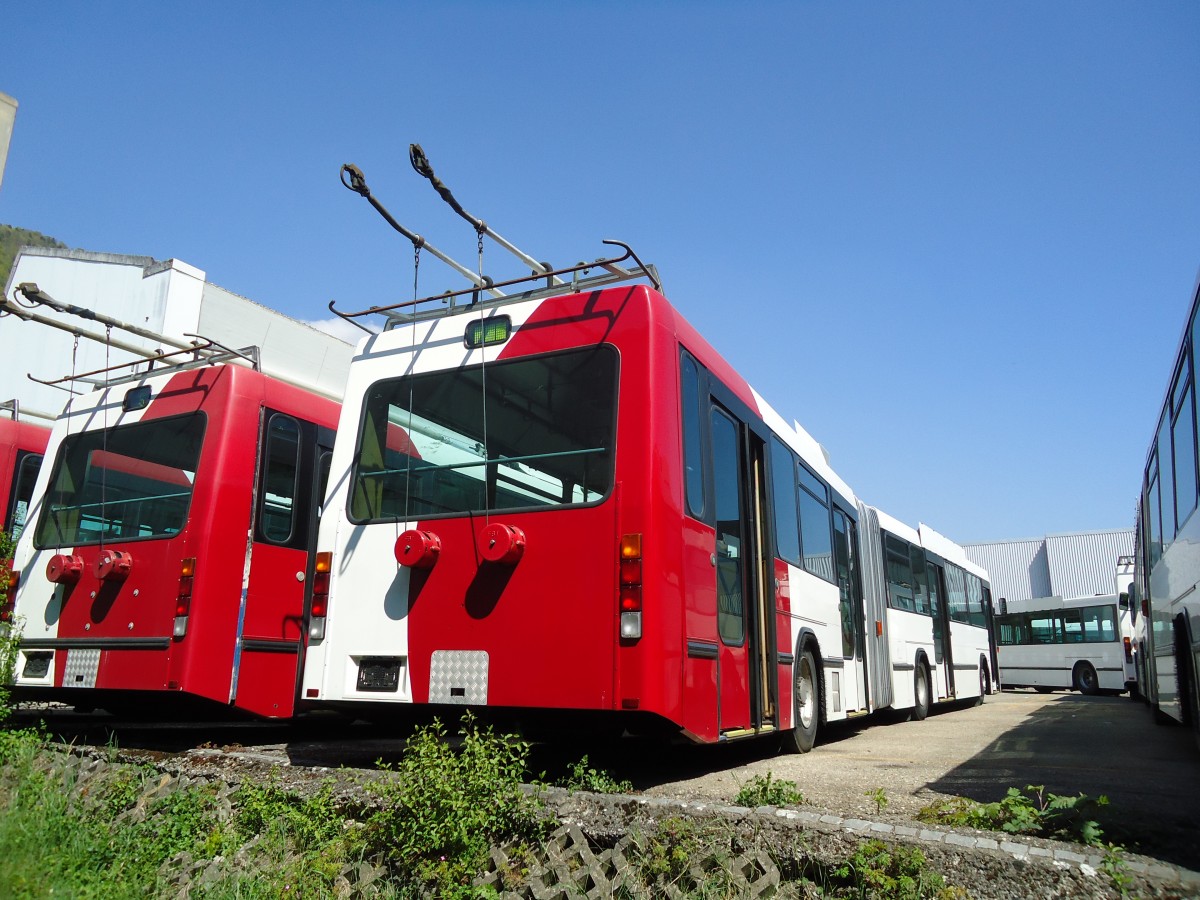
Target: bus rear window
526 433
126 483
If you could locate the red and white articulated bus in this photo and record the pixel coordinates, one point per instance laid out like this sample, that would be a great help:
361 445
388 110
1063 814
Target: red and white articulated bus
22 445
167 548
566 502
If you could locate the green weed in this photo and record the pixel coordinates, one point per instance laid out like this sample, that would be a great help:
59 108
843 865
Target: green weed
445 808
1032 812
885 872
582 777
763 790
878 797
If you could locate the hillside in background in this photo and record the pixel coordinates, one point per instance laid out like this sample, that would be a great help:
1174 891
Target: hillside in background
13 239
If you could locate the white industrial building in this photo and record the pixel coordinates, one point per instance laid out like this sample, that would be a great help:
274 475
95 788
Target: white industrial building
169 298
1080 564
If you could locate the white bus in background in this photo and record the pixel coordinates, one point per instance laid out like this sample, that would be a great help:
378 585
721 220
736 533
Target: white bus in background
1082 644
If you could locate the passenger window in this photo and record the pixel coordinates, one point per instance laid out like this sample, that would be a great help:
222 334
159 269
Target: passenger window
731 574
1183 440
815 525
899 572
920 580
1166 479
783 484
277 503
689 377
956 593
23 481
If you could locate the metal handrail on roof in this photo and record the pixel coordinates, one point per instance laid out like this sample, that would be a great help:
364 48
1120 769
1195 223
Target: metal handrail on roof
440 305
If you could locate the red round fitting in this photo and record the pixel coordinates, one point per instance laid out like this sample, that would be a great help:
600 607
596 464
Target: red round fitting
112 565
418 549
64 568
503 544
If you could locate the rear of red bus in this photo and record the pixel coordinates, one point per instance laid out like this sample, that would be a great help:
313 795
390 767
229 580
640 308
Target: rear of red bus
503 530
146 581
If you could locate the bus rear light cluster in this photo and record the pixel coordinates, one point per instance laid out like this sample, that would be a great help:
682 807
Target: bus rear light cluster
64 568
631 586
112 565
418 549
502 544
320 596
183 598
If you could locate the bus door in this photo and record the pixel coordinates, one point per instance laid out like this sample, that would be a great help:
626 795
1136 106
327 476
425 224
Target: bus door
293 462
744 693
943 657
850 608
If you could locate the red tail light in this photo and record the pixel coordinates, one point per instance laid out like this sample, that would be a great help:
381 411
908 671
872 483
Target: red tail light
1128 650
183 597
320 596
631 586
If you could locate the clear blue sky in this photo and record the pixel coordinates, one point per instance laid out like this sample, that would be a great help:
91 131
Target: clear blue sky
956 241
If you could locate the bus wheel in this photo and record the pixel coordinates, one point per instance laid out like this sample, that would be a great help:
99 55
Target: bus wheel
921 693
806 700
985 684
1086 680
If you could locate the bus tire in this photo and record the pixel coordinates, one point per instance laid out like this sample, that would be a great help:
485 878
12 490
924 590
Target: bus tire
920 693
985 684
1086 679
806 705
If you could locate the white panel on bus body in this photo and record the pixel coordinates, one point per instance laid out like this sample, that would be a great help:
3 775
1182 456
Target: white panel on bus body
368 617
814 605
368 593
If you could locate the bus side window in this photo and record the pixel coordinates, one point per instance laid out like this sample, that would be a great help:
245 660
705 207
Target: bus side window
277 494
783 495
899 573
693 446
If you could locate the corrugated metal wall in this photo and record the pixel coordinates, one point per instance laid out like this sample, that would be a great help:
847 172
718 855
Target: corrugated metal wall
1083 564
1064 565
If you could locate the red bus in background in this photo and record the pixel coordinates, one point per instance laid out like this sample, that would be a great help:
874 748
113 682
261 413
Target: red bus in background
22 445
167 548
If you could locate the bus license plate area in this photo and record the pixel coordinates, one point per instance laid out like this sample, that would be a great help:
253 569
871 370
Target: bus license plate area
381 674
